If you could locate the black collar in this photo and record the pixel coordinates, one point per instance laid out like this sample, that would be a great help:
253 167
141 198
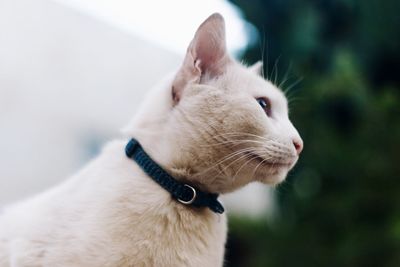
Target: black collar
184 193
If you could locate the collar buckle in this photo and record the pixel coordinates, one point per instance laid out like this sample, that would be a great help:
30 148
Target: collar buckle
194 194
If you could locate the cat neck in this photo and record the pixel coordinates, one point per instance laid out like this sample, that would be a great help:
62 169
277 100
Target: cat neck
150 127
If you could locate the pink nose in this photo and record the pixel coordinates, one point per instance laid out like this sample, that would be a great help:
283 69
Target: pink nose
298 145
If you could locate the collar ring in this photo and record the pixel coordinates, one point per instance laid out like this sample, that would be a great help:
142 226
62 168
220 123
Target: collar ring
190 201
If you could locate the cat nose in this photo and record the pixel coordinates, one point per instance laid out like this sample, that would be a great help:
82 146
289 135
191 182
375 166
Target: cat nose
298 145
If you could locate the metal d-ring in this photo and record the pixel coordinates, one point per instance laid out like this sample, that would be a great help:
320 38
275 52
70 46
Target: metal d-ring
188 202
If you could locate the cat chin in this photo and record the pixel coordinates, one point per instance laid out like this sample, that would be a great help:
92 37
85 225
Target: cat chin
274 177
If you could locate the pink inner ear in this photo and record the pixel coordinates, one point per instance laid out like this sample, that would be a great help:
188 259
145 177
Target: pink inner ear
206 54
209 44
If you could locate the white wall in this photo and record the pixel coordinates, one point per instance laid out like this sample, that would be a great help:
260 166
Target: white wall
67 83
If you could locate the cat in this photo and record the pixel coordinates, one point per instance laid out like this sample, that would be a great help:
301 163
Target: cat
214 124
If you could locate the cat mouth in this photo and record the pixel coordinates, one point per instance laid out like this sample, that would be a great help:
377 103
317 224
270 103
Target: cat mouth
271 164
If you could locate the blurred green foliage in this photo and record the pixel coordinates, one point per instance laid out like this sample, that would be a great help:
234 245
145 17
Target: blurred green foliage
341 205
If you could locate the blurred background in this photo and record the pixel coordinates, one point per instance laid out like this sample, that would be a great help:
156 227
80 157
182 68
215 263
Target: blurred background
73 72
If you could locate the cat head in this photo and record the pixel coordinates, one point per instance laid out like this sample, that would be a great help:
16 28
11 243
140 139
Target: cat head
218 124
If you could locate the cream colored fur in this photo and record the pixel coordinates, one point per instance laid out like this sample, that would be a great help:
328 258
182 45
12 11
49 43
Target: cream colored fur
205 127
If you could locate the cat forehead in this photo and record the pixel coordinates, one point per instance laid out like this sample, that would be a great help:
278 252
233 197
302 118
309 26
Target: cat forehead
241 79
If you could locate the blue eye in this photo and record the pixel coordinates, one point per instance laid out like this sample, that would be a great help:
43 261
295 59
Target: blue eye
265 105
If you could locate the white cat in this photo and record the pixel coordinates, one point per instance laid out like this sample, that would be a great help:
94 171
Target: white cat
215 125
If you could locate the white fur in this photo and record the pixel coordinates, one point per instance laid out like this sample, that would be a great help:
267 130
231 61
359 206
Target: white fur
109 214
205 127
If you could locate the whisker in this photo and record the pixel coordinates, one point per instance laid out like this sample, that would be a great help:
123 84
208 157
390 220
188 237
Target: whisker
240 134
258 165
236 143
295 100
230 164
222 170
286 76
262 45
244 164
274 71
225 158
286 90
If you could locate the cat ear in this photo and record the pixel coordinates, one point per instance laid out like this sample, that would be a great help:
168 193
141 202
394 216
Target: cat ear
206 54
257 68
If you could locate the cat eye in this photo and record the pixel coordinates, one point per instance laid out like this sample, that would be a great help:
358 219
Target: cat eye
265 104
